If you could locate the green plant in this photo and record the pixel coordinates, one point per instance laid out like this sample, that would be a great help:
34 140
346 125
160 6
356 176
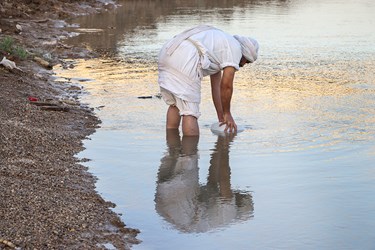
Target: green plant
8 45
20 52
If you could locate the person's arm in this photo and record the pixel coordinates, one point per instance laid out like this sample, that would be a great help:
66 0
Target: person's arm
216 96
226 90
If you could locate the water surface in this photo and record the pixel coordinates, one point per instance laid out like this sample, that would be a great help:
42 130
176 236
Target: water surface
302 174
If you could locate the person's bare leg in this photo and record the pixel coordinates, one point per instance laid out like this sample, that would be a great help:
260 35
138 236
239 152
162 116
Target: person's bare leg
173 138
173 117
189 145
190 126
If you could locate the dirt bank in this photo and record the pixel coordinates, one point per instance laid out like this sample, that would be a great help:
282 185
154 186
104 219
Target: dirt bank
47 198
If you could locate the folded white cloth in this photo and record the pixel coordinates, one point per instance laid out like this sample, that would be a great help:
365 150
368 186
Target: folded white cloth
177 40
249 47
219 130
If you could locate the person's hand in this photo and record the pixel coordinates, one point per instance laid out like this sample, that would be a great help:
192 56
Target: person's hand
230 124
221 119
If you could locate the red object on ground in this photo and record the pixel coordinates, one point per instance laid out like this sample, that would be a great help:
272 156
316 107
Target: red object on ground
33 99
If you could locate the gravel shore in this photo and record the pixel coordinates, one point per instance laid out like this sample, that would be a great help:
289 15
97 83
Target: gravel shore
47 197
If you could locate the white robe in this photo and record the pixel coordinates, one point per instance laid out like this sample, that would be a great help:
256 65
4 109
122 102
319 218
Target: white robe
203 53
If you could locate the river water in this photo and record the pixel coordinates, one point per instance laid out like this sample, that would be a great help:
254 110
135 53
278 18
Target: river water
301 175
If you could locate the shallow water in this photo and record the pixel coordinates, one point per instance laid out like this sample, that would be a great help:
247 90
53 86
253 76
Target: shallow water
301 175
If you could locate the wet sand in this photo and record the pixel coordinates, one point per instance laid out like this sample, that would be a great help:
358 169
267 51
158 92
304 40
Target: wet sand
47 197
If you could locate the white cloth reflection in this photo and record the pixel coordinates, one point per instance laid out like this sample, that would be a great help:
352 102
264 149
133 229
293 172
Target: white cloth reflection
192 207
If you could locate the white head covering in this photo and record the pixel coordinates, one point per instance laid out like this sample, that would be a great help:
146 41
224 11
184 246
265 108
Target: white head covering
249 47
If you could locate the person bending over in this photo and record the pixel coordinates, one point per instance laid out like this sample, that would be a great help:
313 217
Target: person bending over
185 59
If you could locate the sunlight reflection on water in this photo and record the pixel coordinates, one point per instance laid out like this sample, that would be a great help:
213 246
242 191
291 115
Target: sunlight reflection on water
303 168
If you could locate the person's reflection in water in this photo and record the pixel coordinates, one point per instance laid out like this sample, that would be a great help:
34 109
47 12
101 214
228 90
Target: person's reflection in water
178 182
180 199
